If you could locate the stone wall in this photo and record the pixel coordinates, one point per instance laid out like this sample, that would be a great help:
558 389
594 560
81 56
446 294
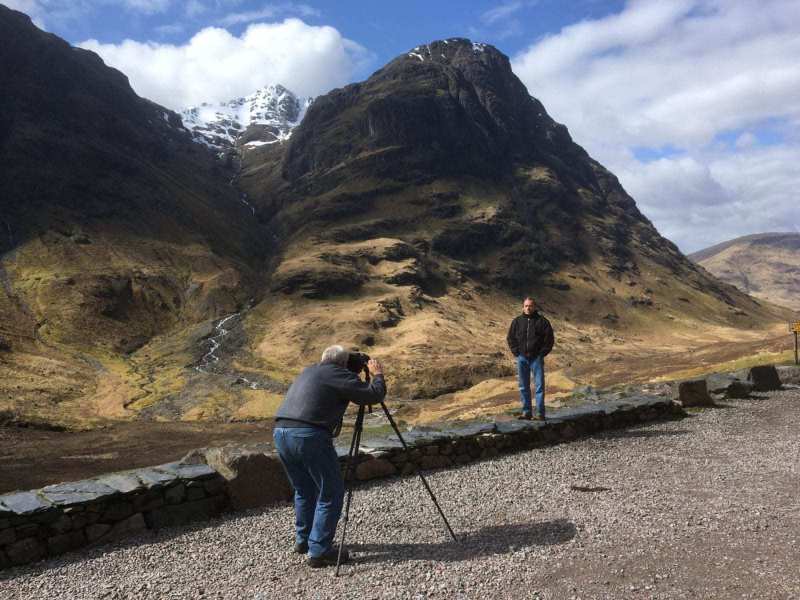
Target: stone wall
435 448
57 518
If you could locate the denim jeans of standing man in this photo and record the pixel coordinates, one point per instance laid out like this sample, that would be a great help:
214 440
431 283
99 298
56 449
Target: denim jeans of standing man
310 460
524 368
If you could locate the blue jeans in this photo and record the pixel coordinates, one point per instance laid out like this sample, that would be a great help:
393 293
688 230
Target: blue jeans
310 461
524 368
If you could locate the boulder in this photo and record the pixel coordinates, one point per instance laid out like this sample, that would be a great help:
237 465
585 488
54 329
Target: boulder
692 392
764 378
789 374
728 385
254 477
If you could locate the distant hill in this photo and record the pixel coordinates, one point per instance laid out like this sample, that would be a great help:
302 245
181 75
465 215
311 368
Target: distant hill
764 265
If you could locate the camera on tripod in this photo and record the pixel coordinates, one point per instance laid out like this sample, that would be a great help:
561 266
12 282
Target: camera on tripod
357 362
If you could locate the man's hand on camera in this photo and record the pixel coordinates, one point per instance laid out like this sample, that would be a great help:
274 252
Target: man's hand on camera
375 367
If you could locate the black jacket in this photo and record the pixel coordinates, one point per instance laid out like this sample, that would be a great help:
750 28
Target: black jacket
530 336
320 394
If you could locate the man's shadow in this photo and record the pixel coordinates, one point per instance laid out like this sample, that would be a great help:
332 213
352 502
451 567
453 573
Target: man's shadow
500 539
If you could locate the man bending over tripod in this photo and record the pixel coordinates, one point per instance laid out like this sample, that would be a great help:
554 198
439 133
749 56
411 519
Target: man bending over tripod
306 423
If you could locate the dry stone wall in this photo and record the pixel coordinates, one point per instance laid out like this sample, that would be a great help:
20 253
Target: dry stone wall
66 516
61 517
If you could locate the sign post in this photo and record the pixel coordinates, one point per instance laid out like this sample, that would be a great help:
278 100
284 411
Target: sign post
795 328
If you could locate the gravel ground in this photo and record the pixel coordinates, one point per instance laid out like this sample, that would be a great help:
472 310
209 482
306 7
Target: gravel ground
705 507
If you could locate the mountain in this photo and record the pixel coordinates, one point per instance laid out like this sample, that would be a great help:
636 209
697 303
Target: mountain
265 117
414 210
143 278
764 265
121 238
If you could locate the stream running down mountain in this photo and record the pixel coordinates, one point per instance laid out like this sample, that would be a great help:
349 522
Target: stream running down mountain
215 341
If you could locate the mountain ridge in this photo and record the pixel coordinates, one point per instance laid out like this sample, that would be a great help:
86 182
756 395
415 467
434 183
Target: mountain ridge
766 265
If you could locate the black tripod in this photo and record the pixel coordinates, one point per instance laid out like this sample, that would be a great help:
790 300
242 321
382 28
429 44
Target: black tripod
350 472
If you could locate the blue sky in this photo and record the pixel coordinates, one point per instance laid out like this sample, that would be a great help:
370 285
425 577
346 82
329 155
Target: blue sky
386 28
693 104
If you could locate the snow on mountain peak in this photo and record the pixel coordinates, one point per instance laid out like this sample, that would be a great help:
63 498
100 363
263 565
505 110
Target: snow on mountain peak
266 116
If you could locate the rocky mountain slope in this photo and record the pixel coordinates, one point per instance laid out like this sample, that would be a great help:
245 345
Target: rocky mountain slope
121 236
266 116
405 215
416 208
764 265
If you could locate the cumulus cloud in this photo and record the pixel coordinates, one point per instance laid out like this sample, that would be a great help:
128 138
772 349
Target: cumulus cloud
215 65
680 74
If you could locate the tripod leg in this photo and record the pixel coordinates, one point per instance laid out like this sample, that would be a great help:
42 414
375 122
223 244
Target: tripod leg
422 478
350 471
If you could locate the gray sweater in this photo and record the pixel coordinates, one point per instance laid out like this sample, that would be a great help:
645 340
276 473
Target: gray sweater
320 394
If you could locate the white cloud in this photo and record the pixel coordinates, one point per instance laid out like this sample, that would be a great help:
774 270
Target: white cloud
49 13
746 140
147 6
268 12
679 74
40 11
215 65
503 11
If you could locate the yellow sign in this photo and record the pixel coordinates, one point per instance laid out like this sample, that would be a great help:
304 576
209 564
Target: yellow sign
795 327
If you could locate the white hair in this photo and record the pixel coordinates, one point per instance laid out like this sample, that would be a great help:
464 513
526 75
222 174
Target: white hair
336 355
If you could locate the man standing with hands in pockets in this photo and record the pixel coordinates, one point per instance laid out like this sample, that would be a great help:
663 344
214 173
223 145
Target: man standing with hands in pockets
530 338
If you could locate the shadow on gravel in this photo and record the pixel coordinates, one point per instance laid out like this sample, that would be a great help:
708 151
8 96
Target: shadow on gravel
501 539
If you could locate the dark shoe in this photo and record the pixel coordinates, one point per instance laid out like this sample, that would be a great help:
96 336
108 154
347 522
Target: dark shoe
538 418
524 416
301 547
328 559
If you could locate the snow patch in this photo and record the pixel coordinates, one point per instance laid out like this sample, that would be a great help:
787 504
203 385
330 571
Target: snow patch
273 107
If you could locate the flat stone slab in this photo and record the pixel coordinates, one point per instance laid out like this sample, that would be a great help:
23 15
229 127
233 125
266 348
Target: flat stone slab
77 492
381 444
423 437
578 412
24 503
506 427
186 471
470 429
153 479
122 482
